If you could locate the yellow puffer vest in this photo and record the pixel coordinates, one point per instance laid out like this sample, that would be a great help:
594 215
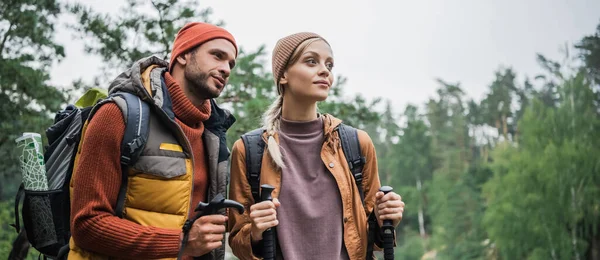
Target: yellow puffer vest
159 185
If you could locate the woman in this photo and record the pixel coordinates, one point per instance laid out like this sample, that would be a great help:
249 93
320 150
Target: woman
317 209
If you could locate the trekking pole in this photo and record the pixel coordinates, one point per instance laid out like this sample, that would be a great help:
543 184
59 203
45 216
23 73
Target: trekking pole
204 209
388 232
268 235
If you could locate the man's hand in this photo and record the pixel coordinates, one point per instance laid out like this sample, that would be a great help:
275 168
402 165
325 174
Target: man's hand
389 207
206 234
263 216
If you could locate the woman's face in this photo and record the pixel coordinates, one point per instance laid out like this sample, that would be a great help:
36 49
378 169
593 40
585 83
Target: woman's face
310 77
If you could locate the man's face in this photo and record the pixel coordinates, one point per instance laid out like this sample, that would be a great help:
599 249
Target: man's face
207 69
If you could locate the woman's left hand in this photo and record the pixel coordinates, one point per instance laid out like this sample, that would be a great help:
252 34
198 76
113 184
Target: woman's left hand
389 207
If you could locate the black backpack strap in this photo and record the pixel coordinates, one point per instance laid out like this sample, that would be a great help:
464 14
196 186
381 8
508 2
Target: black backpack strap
373 229
17 224
351 148
356 162
137 120
255 147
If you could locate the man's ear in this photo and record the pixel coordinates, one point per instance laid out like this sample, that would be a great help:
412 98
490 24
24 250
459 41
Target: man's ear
182 59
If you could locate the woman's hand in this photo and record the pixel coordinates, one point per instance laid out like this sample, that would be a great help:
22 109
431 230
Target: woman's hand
388 207
263 216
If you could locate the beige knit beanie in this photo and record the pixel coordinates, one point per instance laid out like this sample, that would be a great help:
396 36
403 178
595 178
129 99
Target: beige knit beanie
282 53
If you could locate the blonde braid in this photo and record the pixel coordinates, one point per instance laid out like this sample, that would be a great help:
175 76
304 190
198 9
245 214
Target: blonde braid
271 120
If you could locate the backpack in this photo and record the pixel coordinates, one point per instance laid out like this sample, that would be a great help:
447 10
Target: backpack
46 214
255 146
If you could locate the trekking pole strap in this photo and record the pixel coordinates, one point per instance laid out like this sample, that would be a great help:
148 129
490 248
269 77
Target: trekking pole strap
186 234
371 235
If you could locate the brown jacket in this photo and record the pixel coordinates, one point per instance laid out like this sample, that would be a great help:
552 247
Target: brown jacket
355 215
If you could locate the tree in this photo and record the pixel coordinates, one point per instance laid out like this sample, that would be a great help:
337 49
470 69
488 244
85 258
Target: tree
454 205
411 163
415 162
249 92
134 33
27 100
386 138
498 110
589 48
355 111
555 161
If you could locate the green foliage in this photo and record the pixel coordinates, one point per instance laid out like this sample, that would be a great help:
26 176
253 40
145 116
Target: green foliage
512 176
498 103
551 210
27 51
356 111
7 232
249 92
589 47
142 28
412 248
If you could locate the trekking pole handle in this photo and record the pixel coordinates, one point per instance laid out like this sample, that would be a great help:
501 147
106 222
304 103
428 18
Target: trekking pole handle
268 235
388 231
203 209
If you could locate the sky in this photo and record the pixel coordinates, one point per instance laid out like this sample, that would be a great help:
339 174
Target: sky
393 49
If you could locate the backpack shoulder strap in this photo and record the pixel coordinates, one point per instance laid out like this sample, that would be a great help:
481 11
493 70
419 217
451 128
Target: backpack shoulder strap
356 162
136 114
255 147
351 147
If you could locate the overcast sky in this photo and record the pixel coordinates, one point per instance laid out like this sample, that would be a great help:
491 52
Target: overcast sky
395 49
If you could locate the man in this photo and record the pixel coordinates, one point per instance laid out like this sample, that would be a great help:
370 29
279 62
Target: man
183 162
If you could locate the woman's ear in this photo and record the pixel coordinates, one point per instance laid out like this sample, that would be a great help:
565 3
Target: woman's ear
283 79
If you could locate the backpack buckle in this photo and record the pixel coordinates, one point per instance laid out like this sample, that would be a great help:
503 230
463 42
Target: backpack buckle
358 163
125 160
254 182
358 177
134 145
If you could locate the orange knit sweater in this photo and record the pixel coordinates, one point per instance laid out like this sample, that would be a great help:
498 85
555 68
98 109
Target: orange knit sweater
94 225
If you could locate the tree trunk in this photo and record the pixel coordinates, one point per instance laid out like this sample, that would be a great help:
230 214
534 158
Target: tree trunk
498 125
485 153
552 250
594 248
504 128
574 227
421 217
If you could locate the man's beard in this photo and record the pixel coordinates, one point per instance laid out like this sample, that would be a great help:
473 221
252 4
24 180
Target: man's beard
198 82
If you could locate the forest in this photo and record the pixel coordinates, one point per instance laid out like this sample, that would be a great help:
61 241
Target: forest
512 175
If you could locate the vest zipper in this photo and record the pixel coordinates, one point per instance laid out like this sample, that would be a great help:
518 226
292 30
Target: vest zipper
187 143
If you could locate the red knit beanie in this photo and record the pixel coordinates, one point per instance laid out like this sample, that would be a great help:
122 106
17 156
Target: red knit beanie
194 34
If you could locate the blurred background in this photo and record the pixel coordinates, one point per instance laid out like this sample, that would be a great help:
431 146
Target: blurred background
485 114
